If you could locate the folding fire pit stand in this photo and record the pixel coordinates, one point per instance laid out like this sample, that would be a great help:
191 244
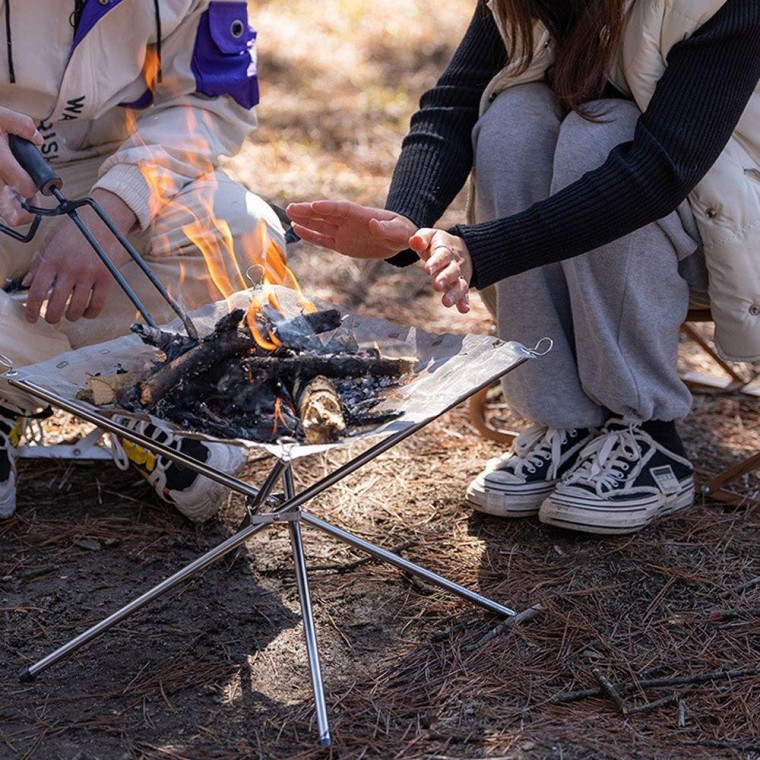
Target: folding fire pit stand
484 360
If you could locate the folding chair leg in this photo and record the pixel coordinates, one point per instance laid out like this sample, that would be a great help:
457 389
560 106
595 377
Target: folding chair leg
478 408
737 381
714 488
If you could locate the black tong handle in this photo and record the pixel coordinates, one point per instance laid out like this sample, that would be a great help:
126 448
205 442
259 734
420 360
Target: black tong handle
34 164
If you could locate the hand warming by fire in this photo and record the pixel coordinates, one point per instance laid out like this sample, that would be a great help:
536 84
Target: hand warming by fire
261 376
364 232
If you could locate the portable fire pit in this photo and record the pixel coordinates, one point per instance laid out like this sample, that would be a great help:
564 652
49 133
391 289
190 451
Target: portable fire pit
389 381
262 375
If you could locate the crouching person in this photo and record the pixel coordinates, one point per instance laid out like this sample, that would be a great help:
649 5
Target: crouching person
133 104
614 162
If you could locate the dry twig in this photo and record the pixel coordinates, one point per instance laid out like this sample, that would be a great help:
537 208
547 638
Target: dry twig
521 617
655 683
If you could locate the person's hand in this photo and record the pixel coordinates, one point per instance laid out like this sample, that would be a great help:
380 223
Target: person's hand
66 270
353 230
448 263
15 183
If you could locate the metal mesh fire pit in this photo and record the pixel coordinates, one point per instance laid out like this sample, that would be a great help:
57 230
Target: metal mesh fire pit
449 369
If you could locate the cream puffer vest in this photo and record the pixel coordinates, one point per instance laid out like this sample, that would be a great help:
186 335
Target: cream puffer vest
726 203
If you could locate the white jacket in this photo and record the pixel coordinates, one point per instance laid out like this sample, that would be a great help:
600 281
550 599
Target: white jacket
726 202
97 92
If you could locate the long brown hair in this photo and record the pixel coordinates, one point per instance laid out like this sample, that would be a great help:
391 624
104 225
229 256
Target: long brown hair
583 52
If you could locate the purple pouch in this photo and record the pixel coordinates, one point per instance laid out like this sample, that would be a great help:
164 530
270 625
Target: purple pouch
224 57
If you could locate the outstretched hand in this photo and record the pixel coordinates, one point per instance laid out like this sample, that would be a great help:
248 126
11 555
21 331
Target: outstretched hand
448 263
363 232
358 231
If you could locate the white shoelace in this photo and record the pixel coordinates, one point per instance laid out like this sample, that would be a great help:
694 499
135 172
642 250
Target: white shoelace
120 458
533 447
606 461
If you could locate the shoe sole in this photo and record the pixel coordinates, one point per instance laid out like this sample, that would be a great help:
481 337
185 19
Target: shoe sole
576 513
507 501
202 503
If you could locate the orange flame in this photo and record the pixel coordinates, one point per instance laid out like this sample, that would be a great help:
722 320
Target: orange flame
211 235
151 68
279 417
213 238
274 271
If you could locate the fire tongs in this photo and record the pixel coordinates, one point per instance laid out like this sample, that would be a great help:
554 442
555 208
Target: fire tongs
49 183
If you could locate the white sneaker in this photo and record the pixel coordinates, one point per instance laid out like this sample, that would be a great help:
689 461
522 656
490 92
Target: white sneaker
196 496
621 482
10 432
516 484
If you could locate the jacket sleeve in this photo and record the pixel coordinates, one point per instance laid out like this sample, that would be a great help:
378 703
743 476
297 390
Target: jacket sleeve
202 109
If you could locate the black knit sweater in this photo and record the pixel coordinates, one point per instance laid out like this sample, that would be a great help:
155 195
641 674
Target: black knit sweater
695 107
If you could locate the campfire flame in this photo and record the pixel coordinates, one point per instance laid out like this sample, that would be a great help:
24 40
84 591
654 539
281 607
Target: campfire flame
212 235
152 68
279 417
292 397
274 272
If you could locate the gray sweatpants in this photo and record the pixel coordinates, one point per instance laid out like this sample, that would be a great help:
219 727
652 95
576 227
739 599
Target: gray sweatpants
614 313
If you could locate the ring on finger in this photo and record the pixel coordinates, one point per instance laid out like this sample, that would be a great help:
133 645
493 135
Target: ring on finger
443 247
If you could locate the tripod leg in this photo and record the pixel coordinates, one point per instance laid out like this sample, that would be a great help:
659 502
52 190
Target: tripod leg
28 673
307 615
254 504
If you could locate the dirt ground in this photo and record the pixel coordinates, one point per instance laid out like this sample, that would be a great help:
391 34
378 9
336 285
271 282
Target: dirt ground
217 667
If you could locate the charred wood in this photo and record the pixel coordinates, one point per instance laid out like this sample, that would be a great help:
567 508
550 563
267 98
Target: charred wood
316 322
301 333
171 344
329 365
225 342
315 386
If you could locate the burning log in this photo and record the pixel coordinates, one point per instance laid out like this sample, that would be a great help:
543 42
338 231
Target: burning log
300 333
321 411
194 362
262 376
225 342
328 365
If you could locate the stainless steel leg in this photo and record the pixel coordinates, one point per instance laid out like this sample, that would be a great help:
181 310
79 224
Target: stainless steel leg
28 673
253 505
307 614
285 511
404 564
